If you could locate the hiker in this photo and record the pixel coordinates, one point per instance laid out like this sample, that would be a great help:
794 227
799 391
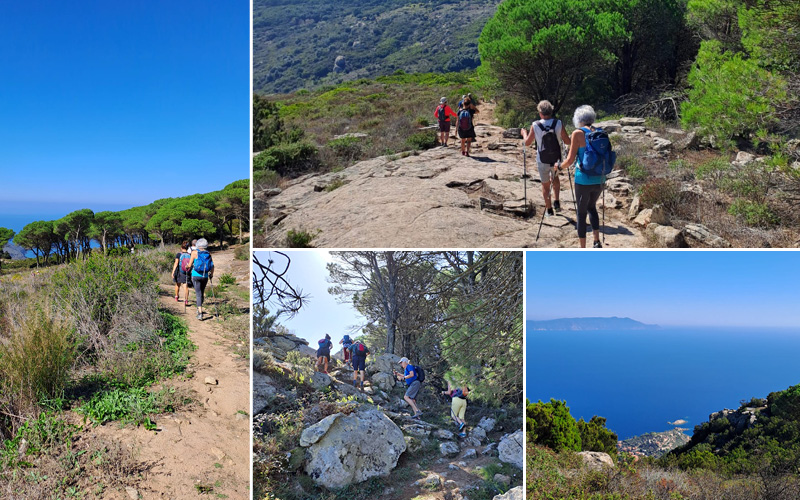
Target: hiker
413 384
202 266
180 270
443 113
587 187
324 353
461 102
459 406
547 131
346 343
359 351
466 129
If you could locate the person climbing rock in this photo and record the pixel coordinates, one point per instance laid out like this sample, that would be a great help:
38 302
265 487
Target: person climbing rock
458 408
346 343
587 187
443 113
359 352
181 270
324 353
549 133
413 384
466 128
202 266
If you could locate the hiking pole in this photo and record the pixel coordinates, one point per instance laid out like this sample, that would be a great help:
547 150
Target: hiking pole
524 178
544 212
603 228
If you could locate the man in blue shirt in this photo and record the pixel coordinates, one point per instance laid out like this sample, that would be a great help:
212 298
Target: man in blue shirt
412 385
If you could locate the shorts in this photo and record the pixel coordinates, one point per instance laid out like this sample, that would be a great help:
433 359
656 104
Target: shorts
326 355
359 363
467 134
444 126
413 389
546 172
459 408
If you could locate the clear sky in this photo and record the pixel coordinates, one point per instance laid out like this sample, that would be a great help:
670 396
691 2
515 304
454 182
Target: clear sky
122 103
668 288
322 313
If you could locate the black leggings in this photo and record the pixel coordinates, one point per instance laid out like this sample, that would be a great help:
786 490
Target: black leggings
199 289
587 195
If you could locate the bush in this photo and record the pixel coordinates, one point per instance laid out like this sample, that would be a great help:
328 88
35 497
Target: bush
633 167
595 436
755 214
424 139
286 159
299 239
662 192
266 178
227 279
131 406
36 359
242 253
550 424
347 148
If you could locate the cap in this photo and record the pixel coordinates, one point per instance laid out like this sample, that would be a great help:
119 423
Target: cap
404 360
443 100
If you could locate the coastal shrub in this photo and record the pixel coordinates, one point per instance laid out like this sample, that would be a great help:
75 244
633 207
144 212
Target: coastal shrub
287 159
347 148
753 213
550 424
633 167
424 139
596 437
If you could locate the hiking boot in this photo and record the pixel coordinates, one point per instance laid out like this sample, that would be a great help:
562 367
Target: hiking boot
597 244
417 415
557 205
200 316
549 212
462 434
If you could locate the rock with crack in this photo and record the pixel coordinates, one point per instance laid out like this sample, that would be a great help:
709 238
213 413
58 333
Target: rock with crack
416 430
385 363
636 206
449 449
320 380
631 121
384 380
490 450
469 453
263 391
512 494
335 459
661 144
444 434
698 233
487 423
513 133
608 126
667 236
510 449
596 460
478 433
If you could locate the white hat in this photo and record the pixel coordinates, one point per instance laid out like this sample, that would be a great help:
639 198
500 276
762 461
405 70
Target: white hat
404 360
443 100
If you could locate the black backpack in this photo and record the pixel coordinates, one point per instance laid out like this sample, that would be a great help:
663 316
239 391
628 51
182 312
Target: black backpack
420 374
550 149
441 114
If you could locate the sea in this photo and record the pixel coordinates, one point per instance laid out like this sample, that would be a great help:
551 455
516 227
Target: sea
641 380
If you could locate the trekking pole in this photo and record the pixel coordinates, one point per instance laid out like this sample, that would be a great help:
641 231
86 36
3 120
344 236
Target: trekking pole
603 228
544 212
524 178
574 200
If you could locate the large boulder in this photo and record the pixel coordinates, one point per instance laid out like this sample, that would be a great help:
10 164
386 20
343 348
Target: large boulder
449 448
320 380
487 423
596 460
383 380
263 391
335 459
510 449
385 363
512 494
702 235
667 236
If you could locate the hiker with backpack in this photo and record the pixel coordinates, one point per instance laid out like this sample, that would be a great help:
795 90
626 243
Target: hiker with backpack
547 131
443 113
590 150
458 408
358 355
180 270
466 128
413 377
202 266
346 343
324 353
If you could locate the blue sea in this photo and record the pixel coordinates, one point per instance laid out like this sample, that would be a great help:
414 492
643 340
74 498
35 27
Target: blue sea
640 380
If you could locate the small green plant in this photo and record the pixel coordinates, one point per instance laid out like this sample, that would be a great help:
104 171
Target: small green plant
664 192
712 169
335 184
633 167
227 279
299 239
424 139
242 253
679 165
755 214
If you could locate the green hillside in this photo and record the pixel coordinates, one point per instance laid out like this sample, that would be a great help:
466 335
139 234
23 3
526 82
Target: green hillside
296 43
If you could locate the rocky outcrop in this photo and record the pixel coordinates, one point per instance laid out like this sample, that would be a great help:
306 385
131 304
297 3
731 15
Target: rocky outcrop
596 460
279 345
335 459
741 419
510 449
264 391
512 494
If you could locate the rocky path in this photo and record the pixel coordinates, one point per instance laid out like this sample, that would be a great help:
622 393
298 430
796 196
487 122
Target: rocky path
438 198
206 448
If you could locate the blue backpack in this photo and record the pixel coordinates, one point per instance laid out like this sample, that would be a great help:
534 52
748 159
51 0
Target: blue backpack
203 263
598 158
346 340
464 120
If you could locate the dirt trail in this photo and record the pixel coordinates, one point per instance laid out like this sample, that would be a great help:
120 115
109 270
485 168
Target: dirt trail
208 445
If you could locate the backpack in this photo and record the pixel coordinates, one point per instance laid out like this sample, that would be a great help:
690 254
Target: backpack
346 340
323 345
598 158
203 263
420 374
184 263
359 349
464 120
440 113
549 149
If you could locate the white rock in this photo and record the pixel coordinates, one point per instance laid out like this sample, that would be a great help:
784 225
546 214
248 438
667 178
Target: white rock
211 381
470 453
449 449
510 449
596 460
478 433
487 424
512 494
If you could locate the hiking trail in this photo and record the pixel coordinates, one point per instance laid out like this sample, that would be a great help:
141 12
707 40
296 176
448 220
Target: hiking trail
206 447
439 198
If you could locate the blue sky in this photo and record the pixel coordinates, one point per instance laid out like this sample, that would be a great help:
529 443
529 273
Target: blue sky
121 103
322 313
698 288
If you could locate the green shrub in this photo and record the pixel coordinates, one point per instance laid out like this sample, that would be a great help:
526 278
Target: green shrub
348 148
755 214
42 434
134 405
550 424
633 167
595 436
424 139
299 239
664 192
713 169
227 279
286 159
266 178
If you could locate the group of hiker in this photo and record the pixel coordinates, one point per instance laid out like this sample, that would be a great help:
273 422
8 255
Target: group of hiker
467 108
355 355
590 153
193 264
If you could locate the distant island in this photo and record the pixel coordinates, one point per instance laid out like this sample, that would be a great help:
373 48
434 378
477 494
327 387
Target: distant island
612 323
